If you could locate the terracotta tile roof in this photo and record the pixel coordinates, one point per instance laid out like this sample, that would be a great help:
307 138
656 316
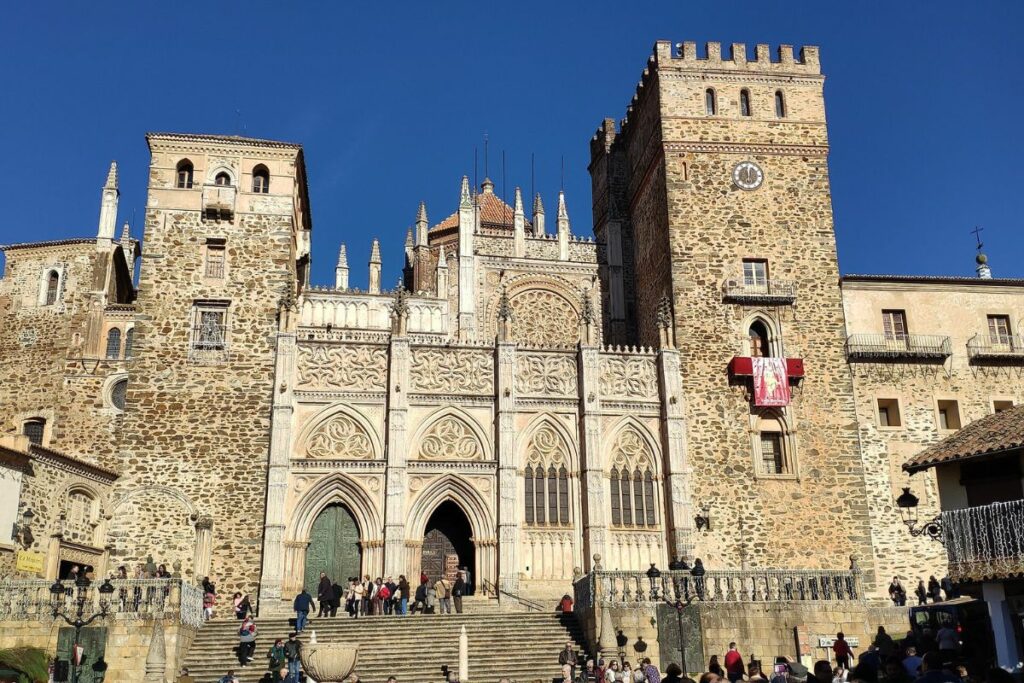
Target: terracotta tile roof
493 212
991 434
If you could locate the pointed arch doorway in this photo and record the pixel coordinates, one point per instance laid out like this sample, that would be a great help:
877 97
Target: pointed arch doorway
333 547
448 544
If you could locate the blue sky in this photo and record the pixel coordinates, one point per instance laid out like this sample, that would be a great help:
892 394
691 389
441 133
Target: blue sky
389 99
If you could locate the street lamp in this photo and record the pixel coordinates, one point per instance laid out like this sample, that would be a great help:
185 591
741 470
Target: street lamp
22 533
81 593
907 503
653 574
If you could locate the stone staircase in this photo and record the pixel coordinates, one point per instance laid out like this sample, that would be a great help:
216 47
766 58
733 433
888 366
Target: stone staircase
522 645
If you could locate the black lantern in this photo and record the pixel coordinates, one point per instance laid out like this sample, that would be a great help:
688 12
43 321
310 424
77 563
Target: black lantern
703 520
56 593
653 574
907 503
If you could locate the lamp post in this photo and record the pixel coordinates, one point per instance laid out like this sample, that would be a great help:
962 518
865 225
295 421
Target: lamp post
907 503
653 574
681 604
79 621
22 533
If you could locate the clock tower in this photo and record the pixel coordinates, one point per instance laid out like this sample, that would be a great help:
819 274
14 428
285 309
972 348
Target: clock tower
712 195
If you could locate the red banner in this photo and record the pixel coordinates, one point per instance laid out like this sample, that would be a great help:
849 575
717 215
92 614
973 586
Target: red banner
771 382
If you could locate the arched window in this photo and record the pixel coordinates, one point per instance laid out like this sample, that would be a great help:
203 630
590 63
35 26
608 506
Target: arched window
744 102
649 498
129 341
759 340
52 287
627 499
539 493
113 343
261 179
710 103
552 496
780 105
528 480
638 499
184 177
563 496
222 178
118 392
34 429
80 515
616 503
773 447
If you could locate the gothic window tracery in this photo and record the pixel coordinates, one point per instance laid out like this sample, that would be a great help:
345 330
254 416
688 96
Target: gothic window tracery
632 481
546 479
340 437
542 317
450 438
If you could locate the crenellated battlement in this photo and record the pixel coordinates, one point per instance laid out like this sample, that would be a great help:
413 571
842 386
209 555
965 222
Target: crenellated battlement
806 62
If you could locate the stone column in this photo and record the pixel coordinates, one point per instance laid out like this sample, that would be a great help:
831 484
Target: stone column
272 577
508 521
678 472
204 547
396 454
595 524
994 593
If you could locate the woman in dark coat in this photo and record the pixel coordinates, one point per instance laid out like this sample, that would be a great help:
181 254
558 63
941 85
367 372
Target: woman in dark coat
325 595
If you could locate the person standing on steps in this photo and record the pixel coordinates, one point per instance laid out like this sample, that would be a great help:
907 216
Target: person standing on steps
921 592
324 593
420 601
293 654
228 678
443 589
357 597
403 595
276 655
302 605
734 664
458 590
567 657
246 641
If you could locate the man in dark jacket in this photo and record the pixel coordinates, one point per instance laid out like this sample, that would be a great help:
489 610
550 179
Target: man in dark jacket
337 593
421 597
324 593
293 653
302 605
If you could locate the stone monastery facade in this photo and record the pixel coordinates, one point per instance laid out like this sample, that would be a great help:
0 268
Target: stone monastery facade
525 400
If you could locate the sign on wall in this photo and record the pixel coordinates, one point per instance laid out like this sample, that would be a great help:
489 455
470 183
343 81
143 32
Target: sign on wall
825 641
30 561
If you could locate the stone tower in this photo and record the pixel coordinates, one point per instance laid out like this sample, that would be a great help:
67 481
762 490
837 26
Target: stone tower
227 235
714 194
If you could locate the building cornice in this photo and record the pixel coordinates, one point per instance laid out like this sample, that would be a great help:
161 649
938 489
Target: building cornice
743 148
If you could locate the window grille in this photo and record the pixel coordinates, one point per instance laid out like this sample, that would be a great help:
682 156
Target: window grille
118 392
209 333
34 430
215 261
113 343
771 453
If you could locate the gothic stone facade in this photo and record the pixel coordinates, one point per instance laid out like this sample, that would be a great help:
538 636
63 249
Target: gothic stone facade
526 401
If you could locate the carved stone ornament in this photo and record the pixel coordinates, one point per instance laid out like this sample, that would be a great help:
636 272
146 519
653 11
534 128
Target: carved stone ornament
631 451
348 368
451 371
546 374
340 438
546 448
544 318
628 377
450 439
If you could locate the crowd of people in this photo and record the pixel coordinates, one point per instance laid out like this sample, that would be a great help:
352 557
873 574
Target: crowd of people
933 591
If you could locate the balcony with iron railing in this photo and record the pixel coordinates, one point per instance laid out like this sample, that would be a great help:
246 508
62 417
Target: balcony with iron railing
883 347
771 292
984 542
1004 349
219 200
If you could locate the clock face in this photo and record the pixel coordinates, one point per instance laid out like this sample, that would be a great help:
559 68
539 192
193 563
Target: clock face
747 175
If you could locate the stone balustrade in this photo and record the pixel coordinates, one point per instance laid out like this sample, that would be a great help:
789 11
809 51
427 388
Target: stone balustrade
622 589
132 599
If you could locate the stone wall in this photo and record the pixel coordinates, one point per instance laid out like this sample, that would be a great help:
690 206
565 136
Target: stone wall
127 647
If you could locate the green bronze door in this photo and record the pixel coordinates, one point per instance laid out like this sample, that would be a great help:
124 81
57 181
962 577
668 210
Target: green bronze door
93 642
333 547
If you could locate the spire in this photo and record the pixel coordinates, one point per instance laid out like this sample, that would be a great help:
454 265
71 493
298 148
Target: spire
487 186
538 215
374 281
341 270
519 227
441 274
111 183
108 208
422 225
126 233
563 227
442 261
400 310
464 199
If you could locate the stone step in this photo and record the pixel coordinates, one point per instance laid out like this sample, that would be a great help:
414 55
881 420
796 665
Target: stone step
413 648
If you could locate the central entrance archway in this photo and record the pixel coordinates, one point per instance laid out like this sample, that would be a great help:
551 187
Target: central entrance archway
448 543
333 547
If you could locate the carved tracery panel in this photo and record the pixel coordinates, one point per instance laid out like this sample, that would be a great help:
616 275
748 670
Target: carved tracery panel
546 374
452 371
543 318
340 438
624 377
450 439
348 367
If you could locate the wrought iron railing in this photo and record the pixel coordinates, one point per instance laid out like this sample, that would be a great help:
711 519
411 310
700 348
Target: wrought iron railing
769 585
985 541
764 291
132 599
491 588
886 347
1002 348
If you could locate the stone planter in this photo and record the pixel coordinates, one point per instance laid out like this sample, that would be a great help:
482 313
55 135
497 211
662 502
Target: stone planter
329 662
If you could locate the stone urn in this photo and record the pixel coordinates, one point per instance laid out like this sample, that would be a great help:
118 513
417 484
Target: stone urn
329 662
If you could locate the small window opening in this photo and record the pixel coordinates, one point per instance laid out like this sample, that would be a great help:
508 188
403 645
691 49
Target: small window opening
780 105
949 415
184 178
710 103
744 103
261 179
889 413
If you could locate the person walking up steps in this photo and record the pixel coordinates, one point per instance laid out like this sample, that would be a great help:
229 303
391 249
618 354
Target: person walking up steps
734 664
293 655
458 590
246 641
302 605
443 589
